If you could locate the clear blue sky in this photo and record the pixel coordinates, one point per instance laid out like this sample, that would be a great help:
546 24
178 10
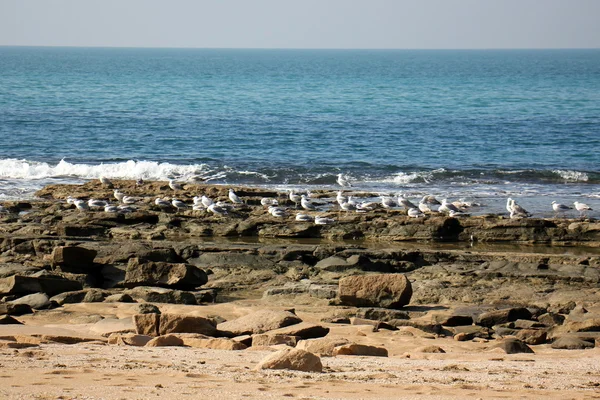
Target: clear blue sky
404 24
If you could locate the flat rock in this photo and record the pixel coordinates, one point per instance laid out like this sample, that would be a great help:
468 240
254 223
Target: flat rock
375 290
292 359
73 258
353 349
174 275
513 346
496 317
258 322
269 339
119 298
108 326
571 343
37 301
152 294
164 341
64 339
178 323
381 314
430 349
128 339
532 336
8 320
51 285
15 309
323 346
214 343
302 330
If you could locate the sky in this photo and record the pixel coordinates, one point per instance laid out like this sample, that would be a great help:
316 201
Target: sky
339 24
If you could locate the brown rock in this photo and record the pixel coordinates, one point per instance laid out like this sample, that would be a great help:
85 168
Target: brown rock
551 319
430 349
67 339
572 343
323 347
15 345
292 359
376 290
165 340
354 349
177 323
588 325
498 317
532 336
146 324
15 309
303 330
128 339
214 343
269 339
258 322
174 275
49 284
514 346
73 258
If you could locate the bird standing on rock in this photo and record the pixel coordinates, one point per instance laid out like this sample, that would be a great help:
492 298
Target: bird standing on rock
560 208
582 208
175 185
343 181
234 197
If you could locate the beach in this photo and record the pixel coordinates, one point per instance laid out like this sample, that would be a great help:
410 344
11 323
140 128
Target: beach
481 306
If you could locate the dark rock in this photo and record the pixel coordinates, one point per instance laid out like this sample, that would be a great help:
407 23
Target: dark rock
551 319
8 320
15 309
205 296
453 320
73 258
468 332
381 314
146 324
51 285
514 346
497 317
375 324
162 295
532 336
428 327
302 330
80 296
375 290
147 308
180 276
176 323
258 322
119 298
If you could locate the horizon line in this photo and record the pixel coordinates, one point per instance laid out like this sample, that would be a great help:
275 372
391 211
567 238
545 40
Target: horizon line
300 48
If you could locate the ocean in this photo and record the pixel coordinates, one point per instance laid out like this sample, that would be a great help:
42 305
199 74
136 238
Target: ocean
479 125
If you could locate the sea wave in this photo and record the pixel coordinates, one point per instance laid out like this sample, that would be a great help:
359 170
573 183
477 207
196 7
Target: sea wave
572 176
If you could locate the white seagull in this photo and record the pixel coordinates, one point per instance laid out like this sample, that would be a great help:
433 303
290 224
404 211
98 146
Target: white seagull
106 182
388 202
269 201
81 205
161 203
560 208
304 217
295 198
234 197
175 185
94 203
516 211
415 213
447 207
341 198
582 208
407 204
119 195
323 220
306 203
216 209
343 181
178 204
206 201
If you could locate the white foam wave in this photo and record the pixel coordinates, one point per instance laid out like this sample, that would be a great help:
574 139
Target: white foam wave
150 170
572 176
405 178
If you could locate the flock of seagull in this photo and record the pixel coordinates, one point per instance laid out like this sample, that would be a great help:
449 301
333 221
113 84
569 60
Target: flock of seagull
304 204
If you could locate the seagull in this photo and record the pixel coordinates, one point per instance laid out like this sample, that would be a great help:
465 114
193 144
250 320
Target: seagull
447 207
388 202
71 200
119 195
277 211
509 205
516 211
323 220
304 217
126 209
198 207
81 205
196 179
429 199
306 203
458 213
407 204
295 198
111 209
366 206
560 208
216 209
206 201
348 206
128 200
582 208
94 203
343 181
424 208
161 203
175 185
341 198
415 213
234 197
178 204
268 201
106 182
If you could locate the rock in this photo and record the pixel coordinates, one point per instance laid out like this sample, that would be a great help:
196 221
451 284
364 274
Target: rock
107 326
149 273
80 296
147 308
463 337
375 324
128 339
453 320
146 324
119 298
337 264
73 258
37 301
571 343
214 343
551 319
177 323
302 330
292 359
425 326
323 346
64 339
588 325
381 314
51 285
267 339
162 295
526 324
375 290
514 346
258 322
15 309
532 336
430 349
163 341
497 317
16 345
205 296
353 349
8 320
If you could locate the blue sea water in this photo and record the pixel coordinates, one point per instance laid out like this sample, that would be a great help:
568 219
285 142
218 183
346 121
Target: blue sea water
477 124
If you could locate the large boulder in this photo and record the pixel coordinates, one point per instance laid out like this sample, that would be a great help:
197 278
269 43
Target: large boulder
354 349
73 258
177 323
513 346
174 275
37 301
303 330
321 346
51 285
375 290
292 359
497 317
162 295
572 343
258 322
15 309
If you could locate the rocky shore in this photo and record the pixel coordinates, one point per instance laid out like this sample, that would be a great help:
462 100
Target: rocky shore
370 284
